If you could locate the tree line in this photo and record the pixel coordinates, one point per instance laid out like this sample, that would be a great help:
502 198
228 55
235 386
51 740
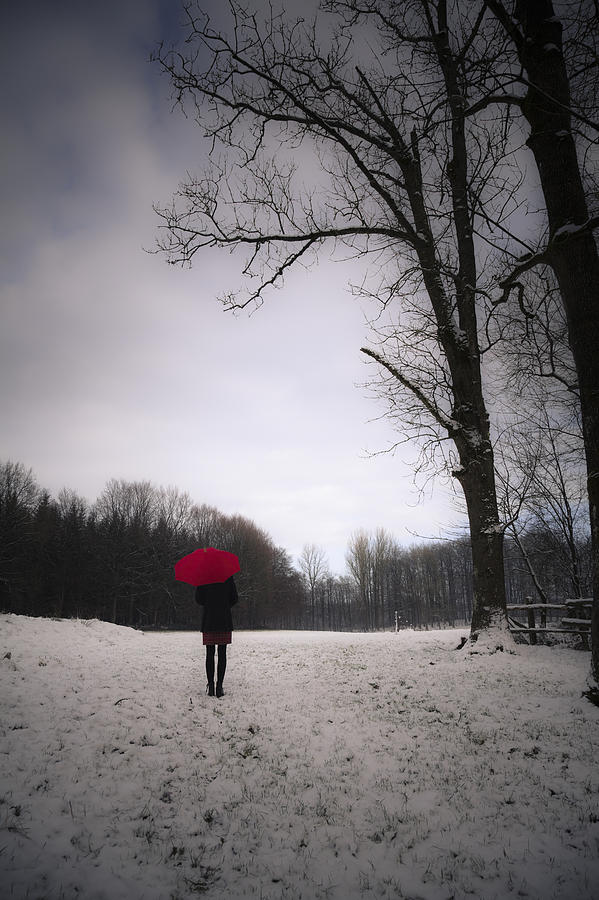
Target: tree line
113 560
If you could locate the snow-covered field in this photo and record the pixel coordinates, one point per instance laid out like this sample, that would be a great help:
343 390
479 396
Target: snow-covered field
337 766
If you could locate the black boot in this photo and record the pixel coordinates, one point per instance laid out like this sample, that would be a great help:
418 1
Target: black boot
221 669
210 651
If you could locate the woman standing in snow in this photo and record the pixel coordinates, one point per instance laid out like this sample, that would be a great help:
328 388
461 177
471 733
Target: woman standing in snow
217 625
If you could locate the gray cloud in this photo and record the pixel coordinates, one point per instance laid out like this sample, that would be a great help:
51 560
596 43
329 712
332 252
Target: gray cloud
114 364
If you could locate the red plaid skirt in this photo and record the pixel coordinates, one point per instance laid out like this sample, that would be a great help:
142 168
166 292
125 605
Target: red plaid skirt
216 637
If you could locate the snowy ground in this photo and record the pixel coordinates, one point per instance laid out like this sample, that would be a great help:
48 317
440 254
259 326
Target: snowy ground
337 766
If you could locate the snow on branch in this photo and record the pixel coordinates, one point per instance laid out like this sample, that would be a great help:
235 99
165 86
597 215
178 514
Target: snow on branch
438 415
566 232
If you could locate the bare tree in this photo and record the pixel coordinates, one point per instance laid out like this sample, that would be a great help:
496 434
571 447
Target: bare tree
383 548
545 495
204 525
314 567
19 497
173 511
540 449
126 513
359 563
402 179
371 562
71 550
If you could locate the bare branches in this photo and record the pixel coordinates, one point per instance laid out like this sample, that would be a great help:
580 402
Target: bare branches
493 100
275 87
544 257
248 79
508 22
443 420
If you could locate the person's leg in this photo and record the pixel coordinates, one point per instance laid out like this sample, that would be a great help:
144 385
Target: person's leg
210 649
222 666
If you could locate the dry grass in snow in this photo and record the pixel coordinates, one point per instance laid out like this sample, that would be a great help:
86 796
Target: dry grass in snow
337 766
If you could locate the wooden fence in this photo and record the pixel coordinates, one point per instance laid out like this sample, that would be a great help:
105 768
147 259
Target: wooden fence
577 619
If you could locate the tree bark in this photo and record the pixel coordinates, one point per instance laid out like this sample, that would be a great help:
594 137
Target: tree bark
477 478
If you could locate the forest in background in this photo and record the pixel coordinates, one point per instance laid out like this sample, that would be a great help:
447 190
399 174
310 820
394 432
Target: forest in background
113 560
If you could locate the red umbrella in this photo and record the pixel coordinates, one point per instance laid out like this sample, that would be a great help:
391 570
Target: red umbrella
206 566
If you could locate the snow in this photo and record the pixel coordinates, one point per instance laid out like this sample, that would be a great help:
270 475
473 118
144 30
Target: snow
566 231
336 766
496 528
472 437
496 636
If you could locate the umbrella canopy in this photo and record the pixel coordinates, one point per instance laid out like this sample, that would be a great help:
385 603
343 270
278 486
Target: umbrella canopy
206 566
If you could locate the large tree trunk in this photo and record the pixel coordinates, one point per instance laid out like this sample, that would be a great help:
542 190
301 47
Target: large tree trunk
572 252
477 478
476 475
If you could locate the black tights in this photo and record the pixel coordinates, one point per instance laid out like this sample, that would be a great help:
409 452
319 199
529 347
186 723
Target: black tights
222 662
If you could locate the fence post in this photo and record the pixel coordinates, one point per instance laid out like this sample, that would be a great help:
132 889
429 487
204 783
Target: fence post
396 621
531 621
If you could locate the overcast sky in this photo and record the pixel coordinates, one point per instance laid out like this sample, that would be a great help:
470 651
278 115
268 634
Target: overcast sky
113 364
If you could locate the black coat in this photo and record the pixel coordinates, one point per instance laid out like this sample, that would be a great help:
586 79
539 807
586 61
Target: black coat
217 600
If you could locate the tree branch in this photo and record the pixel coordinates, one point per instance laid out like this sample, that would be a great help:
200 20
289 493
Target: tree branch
484 102
444 421
543 257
